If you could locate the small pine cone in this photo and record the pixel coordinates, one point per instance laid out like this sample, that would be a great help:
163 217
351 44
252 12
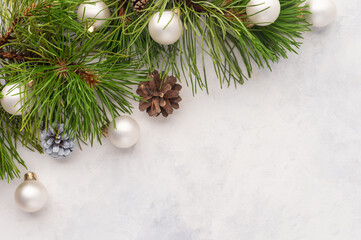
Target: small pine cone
56 142
159 95
139 5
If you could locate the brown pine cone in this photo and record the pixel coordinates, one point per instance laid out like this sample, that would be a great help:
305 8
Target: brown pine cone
139 5
159 95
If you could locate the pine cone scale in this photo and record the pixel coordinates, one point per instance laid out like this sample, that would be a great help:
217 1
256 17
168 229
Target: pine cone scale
175 105
177 100
171 80
166 88
144 105
168 107
162 102
177 87
164 113
152 85
172 94
155 106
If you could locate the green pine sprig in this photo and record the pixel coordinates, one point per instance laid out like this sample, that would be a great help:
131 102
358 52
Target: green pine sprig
218 30
85 79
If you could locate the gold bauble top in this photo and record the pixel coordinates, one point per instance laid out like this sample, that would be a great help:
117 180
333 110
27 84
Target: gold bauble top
30 176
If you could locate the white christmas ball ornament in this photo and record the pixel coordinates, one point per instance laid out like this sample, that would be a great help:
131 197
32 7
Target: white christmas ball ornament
95 13
166 29
323 12
126 132
31 195
12 100
258 15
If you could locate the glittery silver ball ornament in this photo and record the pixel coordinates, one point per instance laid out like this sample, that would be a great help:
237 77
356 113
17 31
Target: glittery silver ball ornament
323 12
95 14
31 195
263 12
12 100
126 132
165 29
56 142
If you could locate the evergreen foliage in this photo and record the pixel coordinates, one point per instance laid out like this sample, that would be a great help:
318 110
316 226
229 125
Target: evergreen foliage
85 79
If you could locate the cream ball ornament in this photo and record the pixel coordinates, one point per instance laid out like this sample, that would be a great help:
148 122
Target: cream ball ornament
165 29
323 12
258 15
12 100
31 195
95 14
126 132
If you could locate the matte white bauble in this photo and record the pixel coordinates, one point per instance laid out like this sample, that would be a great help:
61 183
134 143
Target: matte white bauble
12 100
126 132
258 15
31 195
167 29
92 11
323 12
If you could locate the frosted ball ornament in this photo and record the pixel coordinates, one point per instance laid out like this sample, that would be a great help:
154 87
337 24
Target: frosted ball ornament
11 100
166 29
95 14
31 195
258 15
323 12
125 134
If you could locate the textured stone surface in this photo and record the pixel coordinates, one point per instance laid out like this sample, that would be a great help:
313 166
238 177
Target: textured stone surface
278 158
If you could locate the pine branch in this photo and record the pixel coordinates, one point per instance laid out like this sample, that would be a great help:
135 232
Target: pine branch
27 12
13 56
84 80
10 134
70 87
5 38
8 154
222 30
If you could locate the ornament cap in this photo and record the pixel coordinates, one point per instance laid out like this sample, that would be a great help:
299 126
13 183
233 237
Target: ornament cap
105 130
177 11
30 176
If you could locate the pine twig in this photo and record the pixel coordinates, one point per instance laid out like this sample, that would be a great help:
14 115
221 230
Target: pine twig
12 56
5 38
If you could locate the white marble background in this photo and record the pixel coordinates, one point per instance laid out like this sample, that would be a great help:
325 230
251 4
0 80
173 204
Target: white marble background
278 158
